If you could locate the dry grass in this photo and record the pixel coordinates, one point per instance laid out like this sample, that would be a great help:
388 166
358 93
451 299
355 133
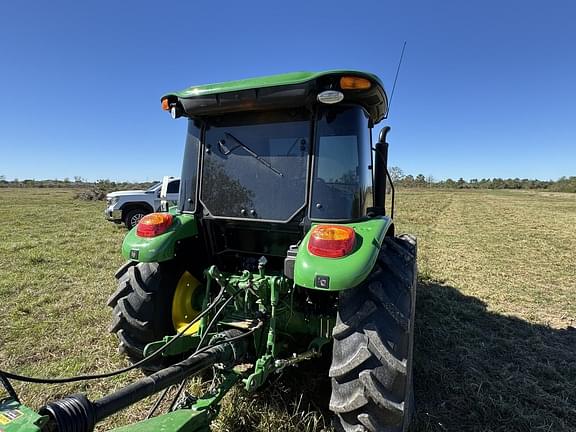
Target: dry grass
496 309
495 349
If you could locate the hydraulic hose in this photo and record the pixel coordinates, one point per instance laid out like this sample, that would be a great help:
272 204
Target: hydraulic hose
155 354
152 384
78 414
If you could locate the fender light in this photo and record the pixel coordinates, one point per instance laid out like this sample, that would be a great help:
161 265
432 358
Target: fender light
331 241
354 83
153 224
165 104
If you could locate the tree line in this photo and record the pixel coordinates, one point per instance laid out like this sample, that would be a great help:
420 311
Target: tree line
85 190
101 187
563 184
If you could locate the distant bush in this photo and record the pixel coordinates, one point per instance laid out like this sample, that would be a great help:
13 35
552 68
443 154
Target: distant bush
91 194
564 184
99 190
89 191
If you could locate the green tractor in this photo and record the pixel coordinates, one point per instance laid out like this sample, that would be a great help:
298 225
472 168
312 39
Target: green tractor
281 249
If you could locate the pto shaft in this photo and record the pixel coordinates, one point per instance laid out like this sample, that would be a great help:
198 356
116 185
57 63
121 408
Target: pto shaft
76 413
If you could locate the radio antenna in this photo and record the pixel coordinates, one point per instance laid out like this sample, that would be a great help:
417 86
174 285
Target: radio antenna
396 78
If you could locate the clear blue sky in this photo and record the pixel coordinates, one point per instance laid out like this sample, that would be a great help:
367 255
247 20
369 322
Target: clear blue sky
487 88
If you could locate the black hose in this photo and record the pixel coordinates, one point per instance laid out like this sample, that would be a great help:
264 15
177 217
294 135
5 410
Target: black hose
183 383
152 384
76 413
118 371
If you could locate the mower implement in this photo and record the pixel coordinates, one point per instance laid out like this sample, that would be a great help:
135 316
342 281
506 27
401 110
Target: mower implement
281 250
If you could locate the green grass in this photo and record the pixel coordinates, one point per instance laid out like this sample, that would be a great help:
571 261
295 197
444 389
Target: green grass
495 343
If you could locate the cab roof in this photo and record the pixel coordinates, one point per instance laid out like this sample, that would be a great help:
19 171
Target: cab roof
289 90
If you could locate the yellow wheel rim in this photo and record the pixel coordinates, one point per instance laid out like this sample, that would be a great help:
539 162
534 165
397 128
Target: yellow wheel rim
182 310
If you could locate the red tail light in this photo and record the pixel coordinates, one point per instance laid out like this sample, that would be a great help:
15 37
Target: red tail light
331 241
153 224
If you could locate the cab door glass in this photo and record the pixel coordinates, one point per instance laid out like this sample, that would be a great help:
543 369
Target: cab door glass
187 183
342 176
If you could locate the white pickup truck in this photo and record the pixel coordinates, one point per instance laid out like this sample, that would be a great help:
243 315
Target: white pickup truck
130 206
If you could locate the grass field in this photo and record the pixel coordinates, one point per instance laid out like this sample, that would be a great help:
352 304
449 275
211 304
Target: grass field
496 310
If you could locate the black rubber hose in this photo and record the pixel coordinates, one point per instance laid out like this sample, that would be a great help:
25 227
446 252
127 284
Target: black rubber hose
155 354
183 383
152 384
77 414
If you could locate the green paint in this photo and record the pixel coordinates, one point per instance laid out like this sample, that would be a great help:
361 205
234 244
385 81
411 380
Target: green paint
348 271
211 400
265 364
15 417
183 344
264 367
183 420
294 322
266 81
162 247
192 418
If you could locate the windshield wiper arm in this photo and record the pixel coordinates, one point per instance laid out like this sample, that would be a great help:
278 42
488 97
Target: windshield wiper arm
250 152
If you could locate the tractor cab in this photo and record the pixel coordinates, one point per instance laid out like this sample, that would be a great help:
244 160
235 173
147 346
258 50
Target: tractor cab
266 158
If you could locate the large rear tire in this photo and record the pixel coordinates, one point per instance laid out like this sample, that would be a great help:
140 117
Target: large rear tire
371 368
143 308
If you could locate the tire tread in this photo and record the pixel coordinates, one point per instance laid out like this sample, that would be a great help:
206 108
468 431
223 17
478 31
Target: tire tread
373 338
141 308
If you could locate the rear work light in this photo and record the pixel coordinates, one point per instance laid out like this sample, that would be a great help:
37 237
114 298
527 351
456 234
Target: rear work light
153 224
331 241
354 83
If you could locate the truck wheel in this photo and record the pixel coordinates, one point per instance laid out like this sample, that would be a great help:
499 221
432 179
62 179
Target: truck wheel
133 217
153 300
371 368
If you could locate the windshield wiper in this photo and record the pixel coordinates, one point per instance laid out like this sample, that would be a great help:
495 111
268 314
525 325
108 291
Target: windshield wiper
227 151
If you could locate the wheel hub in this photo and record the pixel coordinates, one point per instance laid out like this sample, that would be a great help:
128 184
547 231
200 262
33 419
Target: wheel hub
183 311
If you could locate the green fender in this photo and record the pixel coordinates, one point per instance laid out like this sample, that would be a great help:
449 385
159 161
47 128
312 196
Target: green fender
336 274
162 247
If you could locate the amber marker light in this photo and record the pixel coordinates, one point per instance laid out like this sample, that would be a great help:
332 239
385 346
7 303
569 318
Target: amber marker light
331 241
165 105
354 83
153 224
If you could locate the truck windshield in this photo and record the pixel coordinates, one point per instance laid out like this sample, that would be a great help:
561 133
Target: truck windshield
255 165
154 187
